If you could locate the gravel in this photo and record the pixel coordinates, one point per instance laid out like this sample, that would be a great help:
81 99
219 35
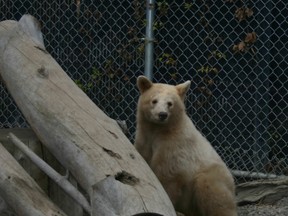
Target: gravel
280 209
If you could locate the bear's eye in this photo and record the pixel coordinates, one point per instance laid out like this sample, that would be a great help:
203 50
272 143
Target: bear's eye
169 104
154 101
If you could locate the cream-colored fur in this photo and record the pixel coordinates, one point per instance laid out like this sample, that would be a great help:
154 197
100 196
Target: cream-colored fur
192 173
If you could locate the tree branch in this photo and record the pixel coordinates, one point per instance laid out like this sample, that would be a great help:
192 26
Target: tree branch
21 192
59 179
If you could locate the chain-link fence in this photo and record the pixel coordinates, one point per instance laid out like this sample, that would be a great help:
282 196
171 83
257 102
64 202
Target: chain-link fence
234 51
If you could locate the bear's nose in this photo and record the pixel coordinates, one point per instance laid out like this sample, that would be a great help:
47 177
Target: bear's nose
163 116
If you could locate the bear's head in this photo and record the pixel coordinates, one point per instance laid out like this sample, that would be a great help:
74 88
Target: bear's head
161 103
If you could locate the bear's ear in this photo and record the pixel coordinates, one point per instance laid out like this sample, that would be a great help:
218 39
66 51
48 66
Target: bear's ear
143 84
183 89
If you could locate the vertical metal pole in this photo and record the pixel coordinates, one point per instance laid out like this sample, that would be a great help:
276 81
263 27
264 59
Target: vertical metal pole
149 39
262 98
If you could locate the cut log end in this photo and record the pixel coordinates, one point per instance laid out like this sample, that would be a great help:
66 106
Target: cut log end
31 26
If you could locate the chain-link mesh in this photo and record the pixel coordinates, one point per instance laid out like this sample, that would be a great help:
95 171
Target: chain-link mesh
235 53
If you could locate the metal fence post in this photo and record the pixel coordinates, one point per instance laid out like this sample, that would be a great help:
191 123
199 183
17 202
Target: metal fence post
149 39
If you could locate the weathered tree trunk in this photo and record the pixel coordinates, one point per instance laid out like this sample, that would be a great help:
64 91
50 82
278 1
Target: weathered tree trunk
85 141
21 192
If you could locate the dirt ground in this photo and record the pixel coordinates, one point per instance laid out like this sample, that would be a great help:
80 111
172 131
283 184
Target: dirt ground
280 208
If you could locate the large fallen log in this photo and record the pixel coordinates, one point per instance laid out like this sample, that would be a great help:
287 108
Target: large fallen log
21 192
84 140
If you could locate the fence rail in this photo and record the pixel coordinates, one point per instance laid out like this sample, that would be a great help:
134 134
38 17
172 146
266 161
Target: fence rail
235 52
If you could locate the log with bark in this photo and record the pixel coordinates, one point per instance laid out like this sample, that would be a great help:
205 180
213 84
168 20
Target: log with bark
84 140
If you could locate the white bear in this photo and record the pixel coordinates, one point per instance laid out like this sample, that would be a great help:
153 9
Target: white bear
194 176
